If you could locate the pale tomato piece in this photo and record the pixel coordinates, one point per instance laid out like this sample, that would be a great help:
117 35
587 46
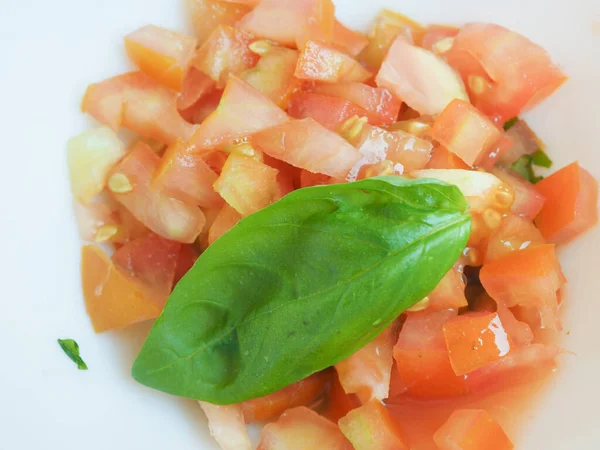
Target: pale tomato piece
90 157
137 102
302 393
301 429
530 277
195 86
96 221
444 159
381 105
421 79
519 332
129 184
347 40
225 53
227 426
330 111
112 299
439 38
387 27
372 427
528 202
310 146
472 429
242 112
320 62
247 185
339 403
206 15
273 75
199 111
224 222
185 176
185 261
450 291
514 233
505 72
571 206
161 54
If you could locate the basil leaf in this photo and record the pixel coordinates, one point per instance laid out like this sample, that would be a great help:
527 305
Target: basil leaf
71 349
510 123
524 165
301 285
541 159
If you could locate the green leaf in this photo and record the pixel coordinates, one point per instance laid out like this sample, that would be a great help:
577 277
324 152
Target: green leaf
510 123
541 159
71 349
524 165
301 285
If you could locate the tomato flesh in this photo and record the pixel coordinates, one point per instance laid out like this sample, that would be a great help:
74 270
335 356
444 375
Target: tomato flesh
206 15
330 111
224 222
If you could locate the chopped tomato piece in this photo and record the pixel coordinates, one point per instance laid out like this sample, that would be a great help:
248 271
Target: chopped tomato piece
112 299
450 291
514 233
474 340
224 222
195 86
524 142
226 425
225 53
372 427
505 72
347 40
186 176
421 79
129 183
528 202
185 261
273 75
231 120
310 146
339 403
198 112
207 15
137 102
247 184
161 54
330 111
243 2
320 62
301 429
465 132
308 179
571 206
387 27
96 221
444 159
382 107
529 277
472 429
439 38
285 177
519 332
301 393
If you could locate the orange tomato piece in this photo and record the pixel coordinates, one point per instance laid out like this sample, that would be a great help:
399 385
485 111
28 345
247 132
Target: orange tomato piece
185 176
450 292
320 62
528 201
372 427
347 40
285 177
185 261
308 145
204 107
571 206
330 111
206 15
137 102
513 234
224 222
308 179
472 429
301 393
166 216
195 86
112 299
444 159
161 54
339 403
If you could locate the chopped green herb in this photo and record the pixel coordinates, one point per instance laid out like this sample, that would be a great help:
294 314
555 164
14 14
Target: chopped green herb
510 123
541 159
524 165
71 349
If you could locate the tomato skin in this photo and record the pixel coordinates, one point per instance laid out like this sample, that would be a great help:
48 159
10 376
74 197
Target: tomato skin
330 111
528 200
571 206
161 54
347 40
206 15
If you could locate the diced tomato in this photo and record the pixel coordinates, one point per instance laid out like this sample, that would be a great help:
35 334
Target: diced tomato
474 340
151 260
339 403
301 429
347 40
161 54
226 425
366 373
330 111
137 102
112 299
571 206
247 184
301 393
310 146
286 175
382 107
291 22
450 292
519 332
524 142
320 62
186 176
372 427
505 72
195 86
465 132
529 277
514 233
207 15
274 75
216 160
225 53
435 34
387 27
528 202
96 221
308 179
444 159
472 429
203 108
185 261
244 2
129 183
224 222
421 79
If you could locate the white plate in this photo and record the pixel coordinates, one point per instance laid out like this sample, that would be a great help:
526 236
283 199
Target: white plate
49 52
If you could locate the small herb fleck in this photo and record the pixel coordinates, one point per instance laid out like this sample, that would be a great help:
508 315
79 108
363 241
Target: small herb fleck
541 159
510 123
71 349
524 165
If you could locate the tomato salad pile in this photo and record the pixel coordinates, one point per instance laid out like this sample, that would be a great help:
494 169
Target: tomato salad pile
273 96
